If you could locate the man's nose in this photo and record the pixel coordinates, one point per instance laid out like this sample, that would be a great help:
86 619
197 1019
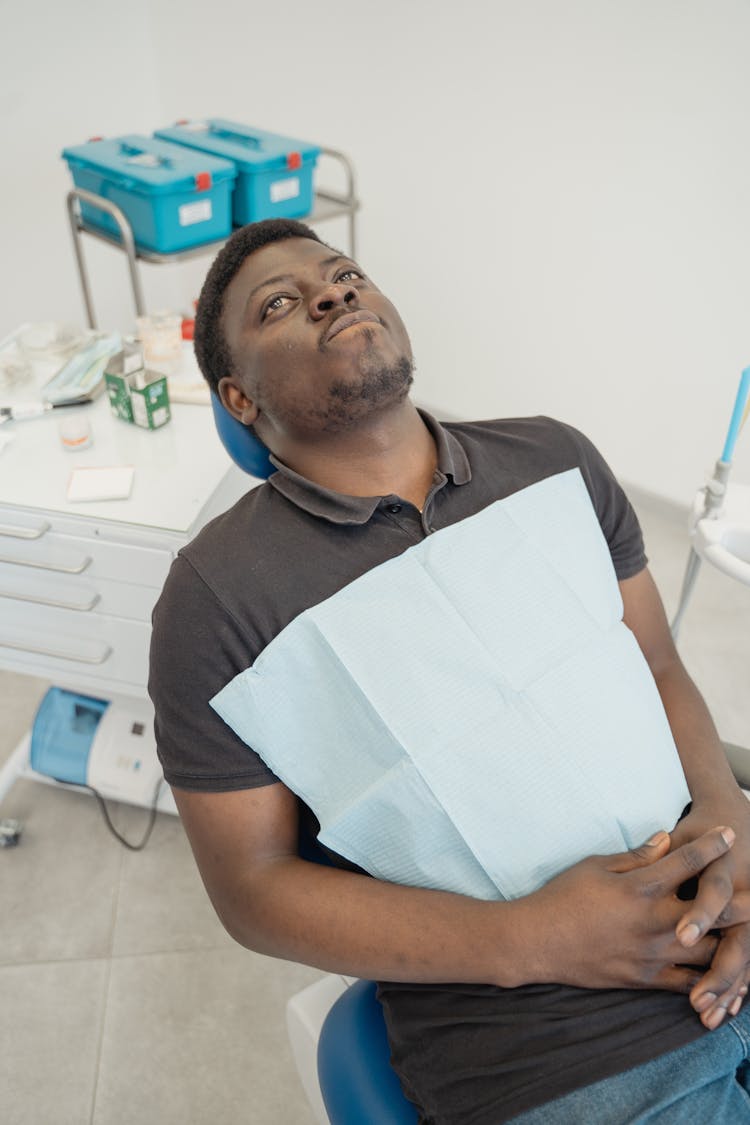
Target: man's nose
330 296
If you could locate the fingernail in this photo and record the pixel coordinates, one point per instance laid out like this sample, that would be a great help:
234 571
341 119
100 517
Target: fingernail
706 1000
657 838
688 935
715 1018
727 835
734 1009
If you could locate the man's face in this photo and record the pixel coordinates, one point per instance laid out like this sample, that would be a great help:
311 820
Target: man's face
316 345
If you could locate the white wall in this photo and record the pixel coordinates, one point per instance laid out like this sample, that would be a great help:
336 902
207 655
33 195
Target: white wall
557 194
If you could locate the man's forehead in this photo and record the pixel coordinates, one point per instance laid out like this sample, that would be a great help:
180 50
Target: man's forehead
283 257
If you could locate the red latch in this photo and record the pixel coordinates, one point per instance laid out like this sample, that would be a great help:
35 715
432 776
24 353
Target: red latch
203 181
183 121
293 160
96 138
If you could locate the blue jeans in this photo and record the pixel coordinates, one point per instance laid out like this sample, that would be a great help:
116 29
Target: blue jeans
706 1082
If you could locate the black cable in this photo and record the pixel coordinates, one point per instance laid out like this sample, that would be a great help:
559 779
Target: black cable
149 827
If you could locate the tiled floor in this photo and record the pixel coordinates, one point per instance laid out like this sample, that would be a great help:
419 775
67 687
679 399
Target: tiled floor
122 1000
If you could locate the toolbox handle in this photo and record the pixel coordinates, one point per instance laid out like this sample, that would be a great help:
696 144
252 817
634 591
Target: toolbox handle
141 156
248 139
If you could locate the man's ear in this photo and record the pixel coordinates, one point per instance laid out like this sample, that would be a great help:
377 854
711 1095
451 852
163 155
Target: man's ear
236 401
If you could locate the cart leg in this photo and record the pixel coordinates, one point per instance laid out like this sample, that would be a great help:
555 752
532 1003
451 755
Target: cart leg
83 276
15 763
691 573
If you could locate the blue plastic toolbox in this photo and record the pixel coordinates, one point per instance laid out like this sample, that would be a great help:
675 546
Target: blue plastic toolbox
274 173
172 197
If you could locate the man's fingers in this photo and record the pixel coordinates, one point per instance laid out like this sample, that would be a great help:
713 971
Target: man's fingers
677 978
702 953
736 912
653 849
713 897
725 983
667 873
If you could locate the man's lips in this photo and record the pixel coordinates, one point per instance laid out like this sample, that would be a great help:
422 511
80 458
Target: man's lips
361 316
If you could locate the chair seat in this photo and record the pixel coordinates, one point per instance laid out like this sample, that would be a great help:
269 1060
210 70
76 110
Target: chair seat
358 1084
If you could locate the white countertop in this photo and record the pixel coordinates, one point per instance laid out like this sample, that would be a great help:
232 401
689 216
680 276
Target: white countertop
177 467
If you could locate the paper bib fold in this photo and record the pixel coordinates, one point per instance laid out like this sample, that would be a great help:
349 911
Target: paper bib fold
472 715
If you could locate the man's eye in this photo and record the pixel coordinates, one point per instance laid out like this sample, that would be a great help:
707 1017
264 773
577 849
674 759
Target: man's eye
349 274
274 304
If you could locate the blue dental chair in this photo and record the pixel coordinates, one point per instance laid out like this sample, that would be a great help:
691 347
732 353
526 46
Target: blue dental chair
349 1079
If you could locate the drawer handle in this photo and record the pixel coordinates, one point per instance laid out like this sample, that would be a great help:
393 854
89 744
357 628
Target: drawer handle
23 532
58 655
51 601
78 569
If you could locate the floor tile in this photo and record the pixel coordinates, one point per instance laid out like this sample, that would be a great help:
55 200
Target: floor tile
58 886
49 1041
198 1037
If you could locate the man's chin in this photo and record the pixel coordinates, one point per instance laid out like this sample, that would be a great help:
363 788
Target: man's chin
376 387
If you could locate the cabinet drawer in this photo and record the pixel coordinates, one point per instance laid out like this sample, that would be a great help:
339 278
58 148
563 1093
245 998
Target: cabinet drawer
58 642
77 593
55 553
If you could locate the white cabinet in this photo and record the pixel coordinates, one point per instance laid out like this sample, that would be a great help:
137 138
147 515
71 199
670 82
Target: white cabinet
78 582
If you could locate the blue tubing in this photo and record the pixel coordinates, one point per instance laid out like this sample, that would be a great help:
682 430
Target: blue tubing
739 408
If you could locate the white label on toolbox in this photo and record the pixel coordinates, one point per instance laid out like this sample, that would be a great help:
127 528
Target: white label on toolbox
285 189
195 212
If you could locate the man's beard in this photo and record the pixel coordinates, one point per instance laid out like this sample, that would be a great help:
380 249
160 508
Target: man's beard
375 385
378 384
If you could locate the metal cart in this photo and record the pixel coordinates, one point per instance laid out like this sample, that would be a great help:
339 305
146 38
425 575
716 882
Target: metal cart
327 205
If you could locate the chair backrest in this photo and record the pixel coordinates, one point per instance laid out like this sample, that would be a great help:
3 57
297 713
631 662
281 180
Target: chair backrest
240 442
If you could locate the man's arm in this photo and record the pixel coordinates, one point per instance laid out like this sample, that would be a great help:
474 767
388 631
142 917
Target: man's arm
270 900
715 795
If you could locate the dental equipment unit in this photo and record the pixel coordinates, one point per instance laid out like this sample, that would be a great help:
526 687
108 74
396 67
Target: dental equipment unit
720 522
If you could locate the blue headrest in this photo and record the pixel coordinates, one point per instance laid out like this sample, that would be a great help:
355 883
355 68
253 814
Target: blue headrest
241 443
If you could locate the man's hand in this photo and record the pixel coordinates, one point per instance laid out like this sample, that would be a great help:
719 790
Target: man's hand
720 903
610 921
716 800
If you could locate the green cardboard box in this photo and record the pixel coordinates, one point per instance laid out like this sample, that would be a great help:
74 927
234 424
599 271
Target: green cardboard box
149 399
135 393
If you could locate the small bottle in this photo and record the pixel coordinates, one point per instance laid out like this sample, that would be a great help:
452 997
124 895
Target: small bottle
75 432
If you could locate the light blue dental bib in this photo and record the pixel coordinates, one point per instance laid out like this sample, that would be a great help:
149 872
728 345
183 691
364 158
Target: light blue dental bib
472 715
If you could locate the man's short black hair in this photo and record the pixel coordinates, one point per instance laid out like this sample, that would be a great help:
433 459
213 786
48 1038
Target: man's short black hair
211 348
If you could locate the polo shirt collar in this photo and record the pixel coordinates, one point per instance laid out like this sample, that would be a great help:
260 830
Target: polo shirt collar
339 508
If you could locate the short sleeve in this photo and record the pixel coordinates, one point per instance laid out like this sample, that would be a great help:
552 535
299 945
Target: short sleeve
196 649
615 512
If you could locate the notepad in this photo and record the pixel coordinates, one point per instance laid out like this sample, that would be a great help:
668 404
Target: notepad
112 482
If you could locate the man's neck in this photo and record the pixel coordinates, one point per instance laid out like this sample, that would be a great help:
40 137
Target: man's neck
394 453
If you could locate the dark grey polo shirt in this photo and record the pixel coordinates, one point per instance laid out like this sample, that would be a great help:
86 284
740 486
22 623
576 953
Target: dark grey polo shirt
289 544
464 1053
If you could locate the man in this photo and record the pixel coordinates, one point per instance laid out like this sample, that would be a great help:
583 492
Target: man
495 1008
